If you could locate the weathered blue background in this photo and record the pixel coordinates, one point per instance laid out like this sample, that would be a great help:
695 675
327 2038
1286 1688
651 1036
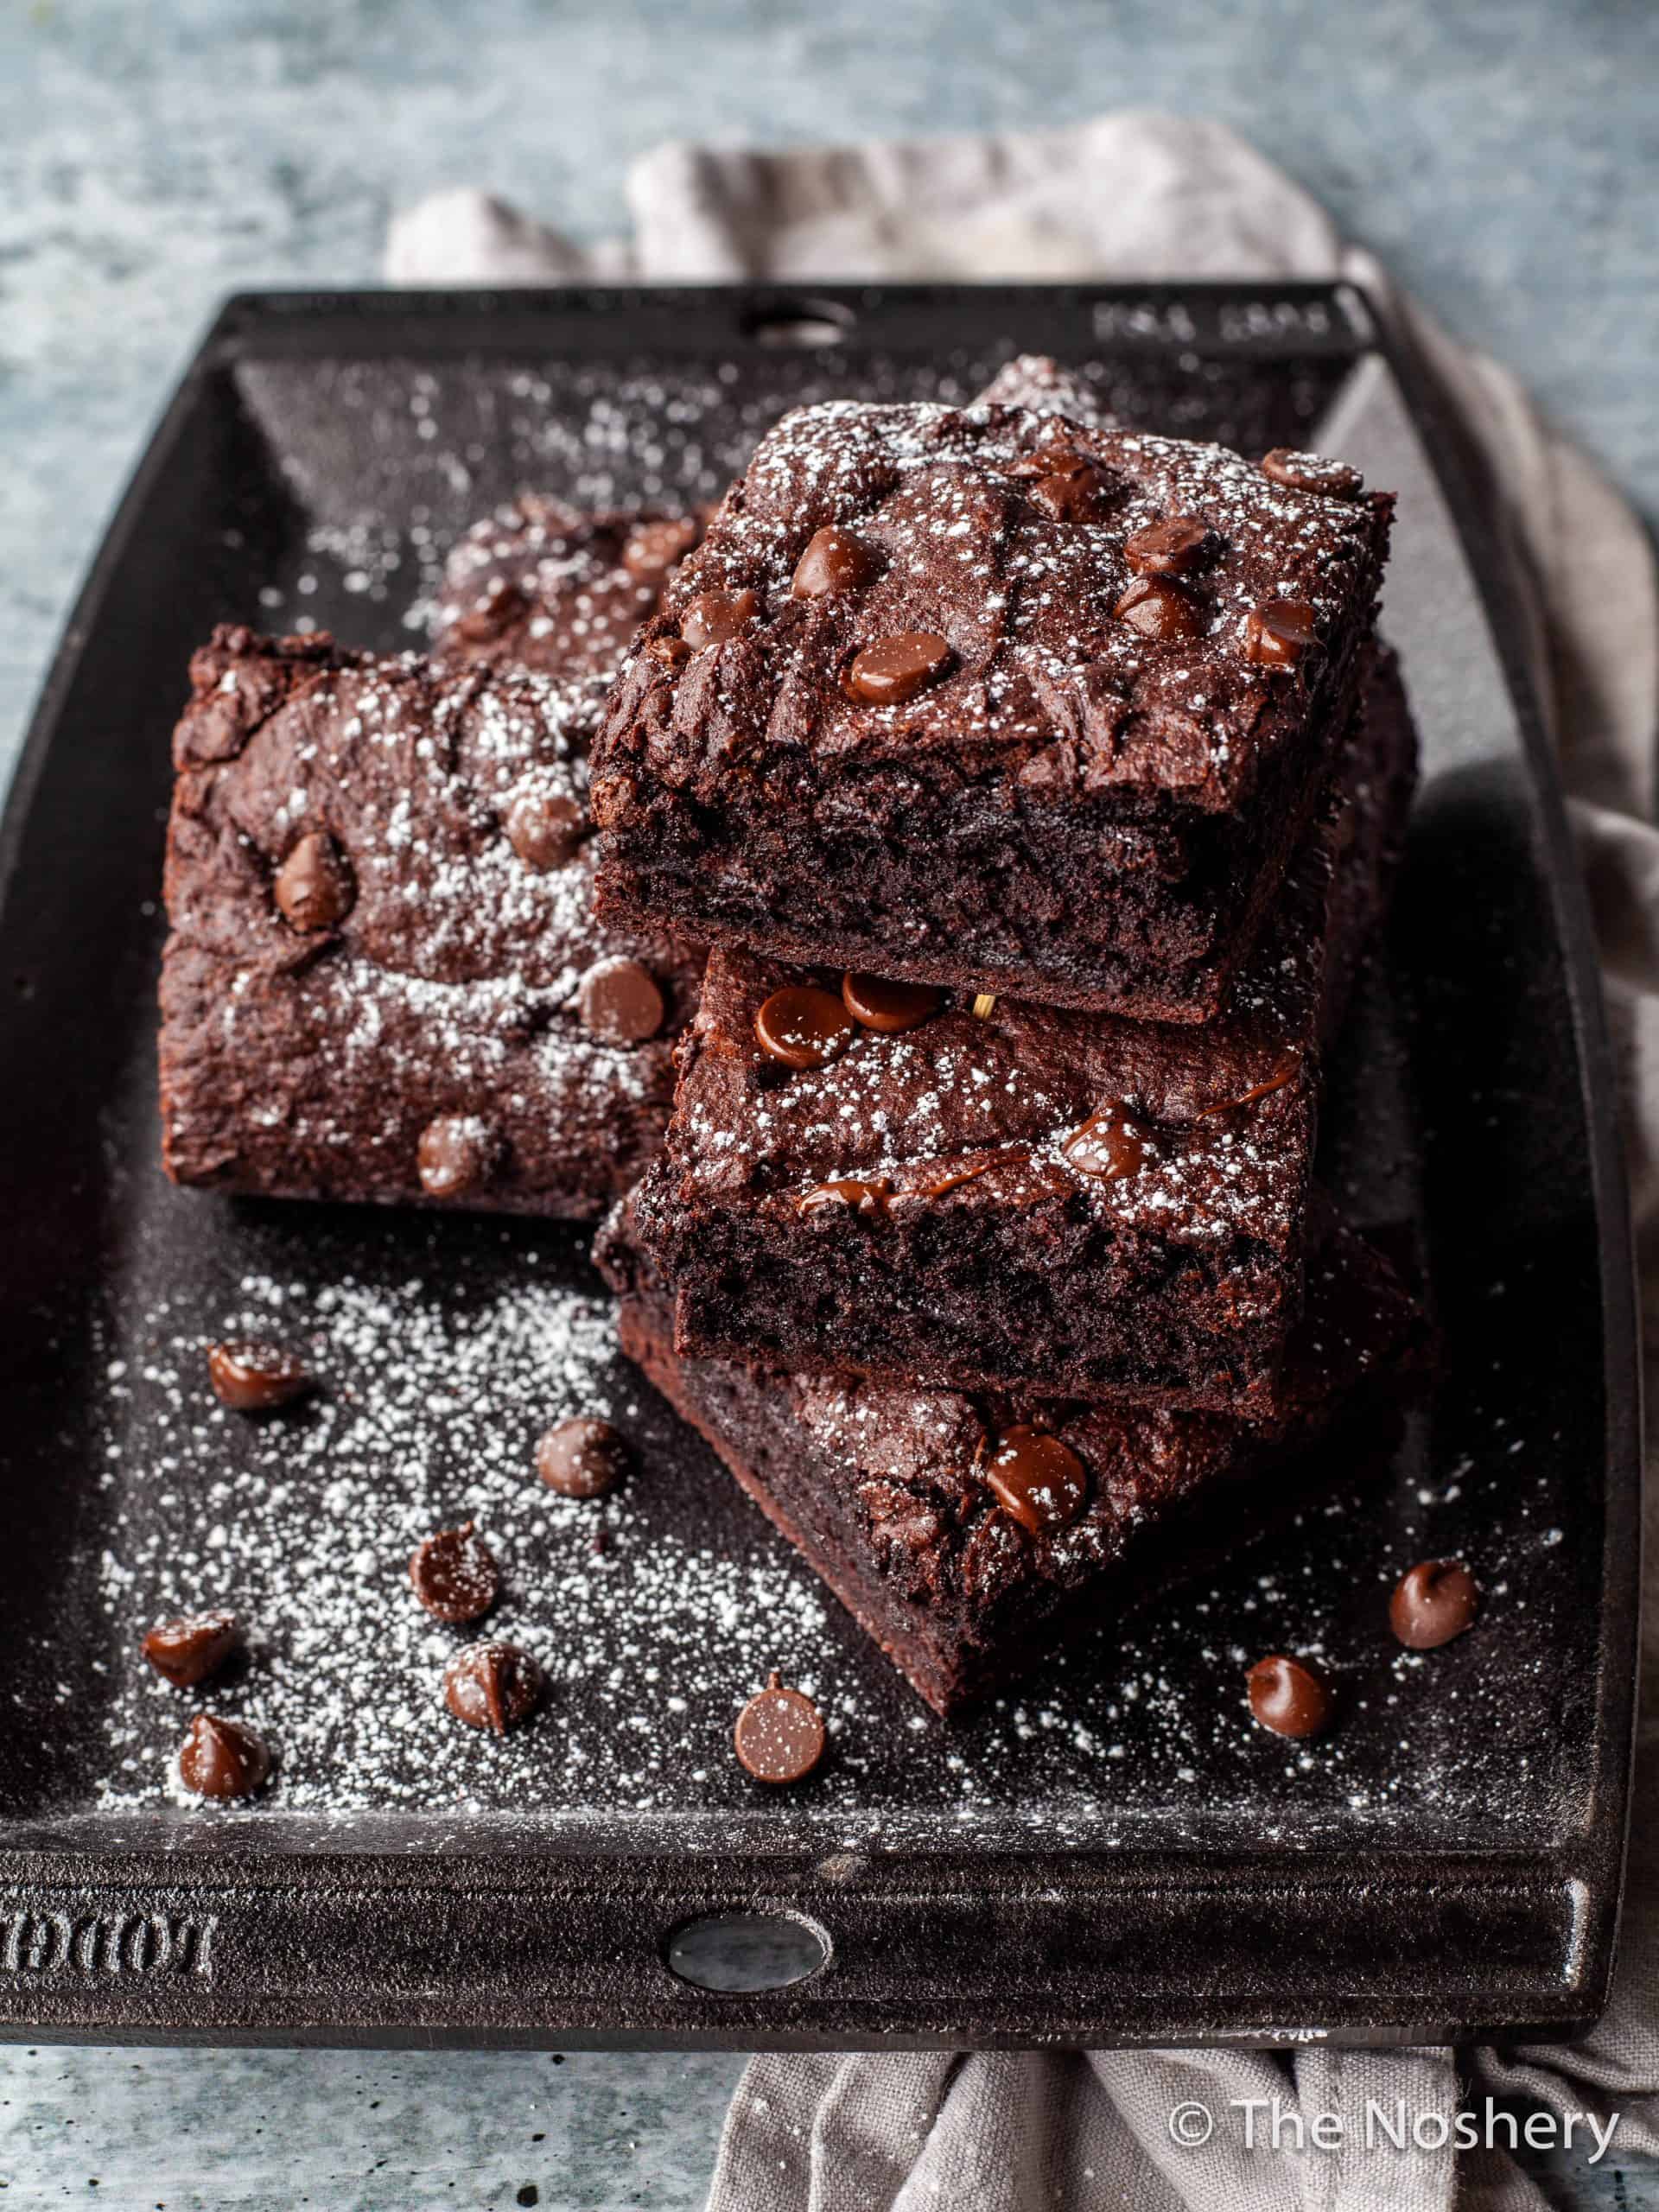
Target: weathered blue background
1502 155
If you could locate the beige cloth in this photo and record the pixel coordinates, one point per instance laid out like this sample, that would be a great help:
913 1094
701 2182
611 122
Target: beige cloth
1138 197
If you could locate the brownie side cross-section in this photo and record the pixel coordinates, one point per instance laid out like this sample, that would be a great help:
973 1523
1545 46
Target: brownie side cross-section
1101 1207
383 979
966 1533
995 699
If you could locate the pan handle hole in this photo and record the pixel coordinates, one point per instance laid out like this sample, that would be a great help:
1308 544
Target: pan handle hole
800 323
739 1951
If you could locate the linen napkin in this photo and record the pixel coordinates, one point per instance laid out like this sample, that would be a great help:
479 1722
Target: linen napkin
1138 197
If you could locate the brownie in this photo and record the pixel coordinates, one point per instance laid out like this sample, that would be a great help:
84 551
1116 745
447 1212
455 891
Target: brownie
384 980
545 586
1104 1207
950 1526
992 698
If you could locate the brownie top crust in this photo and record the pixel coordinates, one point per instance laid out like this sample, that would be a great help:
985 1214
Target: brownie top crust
1018 597
547 587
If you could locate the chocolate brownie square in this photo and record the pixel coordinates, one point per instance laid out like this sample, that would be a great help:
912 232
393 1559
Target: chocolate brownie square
383 978
993 699
966 1535
875 1178
545 586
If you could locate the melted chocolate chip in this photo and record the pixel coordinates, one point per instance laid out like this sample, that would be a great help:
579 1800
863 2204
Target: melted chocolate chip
874 1003
951 1178
545 828
502 604
836 560
1080 495
894 670
313 887
1170 548
870 1199
186 1650
672 651
1284 1071
1110 1144
1036 1479
222 1758
1287 1697
582 1457
654 547
455 1575
492 1685
714 616
251 1376
1155 608
802 1027
455 1155
620 1001
1278 634
1433 1602
779 1735
1311 471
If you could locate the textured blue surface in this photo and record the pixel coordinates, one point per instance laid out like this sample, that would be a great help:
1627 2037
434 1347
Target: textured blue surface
1503 156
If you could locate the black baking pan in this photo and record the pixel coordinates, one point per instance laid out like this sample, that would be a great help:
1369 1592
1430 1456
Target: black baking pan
1110 1853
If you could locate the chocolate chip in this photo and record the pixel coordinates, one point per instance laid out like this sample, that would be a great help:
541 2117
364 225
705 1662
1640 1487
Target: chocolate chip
252 1377
455 1155
894 670
1433 1602
1311 471
779 1735
313 888
1170 548
620 1002
875 1003
1037 1480
186 1650
1160 610
802 1027
714 616
221 1759
672 651
582 1457
455 1575
1110 1144
836 560
492 1685
1278 634
545 828
1288 1697
1050 459
868 1198
502 604
654 547
1080 494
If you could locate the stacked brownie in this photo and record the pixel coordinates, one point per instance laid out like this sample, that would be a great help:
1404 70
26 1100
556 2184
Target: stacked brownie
1036 784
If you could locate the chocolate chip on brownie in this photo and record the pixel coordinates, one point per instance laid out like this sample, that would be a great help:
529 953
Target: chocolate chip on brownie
895 669
836 560
620 1002
715 616
876 1003
1160 610
1037 1480
1278 634
545 828
313 887
802 1026
456 1152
